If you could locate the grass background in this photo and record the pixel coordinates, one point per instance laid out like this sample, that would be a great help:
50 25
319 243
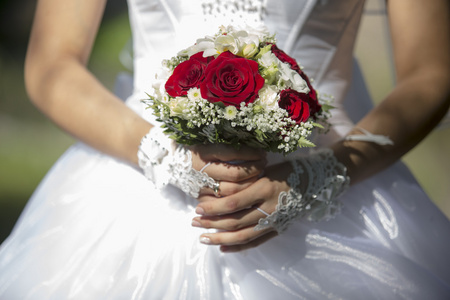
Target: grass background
30 144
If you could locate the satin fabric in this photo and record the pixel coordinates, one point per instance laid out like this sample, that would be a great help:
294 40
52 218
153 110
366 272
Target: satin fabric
96 228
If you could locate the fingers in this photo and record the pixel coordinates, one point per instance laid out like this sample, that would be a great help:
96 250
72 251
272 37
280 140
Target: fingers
238 240
253 244
235 215
224 171
262 191
231 222
225 189
228 163
221 152
237 230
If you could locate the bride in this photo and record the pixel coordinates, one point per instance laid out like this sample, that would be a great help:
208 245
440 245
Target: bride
98 228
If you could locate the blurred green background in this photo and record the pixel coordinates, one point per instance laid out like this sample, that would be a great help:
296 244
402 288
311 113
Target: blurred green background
30 144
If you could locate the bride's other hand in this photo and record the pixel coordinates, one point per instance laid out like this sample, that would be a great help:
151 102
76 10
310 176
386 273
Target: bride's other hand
234 169
237 215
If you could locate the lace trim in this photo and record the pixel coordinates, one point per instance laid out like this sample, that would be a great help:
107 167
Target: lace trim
185 177
162 165
327 180
152 154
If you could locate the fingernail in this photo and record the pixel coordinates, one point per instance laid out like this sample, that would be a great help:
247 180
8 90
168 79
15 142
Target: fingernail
205 240
199 211
196 223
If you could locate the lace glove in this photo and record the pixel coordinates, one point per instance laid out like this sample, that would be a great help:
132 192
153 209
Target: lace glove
327 180
165 162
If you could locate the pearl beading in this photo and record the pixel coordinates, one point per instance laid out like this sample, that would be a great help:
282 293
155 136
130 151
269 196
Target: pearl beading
235 11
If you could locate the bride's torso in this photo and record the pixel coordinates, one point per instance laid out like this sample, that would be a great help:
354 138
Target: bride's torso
309 30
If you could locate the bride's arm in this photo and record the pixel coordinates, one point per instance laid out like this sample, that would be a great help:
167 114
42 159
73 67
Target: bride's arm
420 35
60 85
421 40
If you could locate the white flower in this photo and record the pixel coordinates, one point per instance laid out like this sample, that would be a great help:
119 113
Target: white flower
292 79
260 31
186 52
159 83
268 97
247 44
249 50
230 112
205 44
178 106
268 60
238 42
283 73
194 94
226 43
165 98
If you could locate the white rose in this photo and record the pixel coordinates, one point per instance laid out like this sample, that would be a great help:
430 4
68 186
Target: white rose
268 97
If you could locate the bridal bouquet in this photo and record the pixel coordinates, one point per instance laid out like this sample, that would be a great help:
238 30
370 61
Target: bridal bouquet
237 87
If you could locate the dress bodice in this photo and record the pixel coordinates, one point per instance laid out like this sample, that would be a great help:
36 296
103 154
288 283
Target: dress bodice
309 30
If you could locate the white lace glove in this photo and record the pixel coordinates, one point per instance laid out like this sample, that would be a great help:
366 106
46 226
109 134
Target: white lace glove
327 180
165 162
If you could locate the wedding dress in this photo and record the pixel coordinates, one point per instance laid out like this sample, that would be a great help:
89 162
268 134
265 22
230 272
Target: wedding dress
96 228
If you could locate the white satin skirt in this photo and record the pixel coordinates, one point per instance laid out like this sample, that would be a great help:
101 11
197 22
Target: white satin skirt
96 228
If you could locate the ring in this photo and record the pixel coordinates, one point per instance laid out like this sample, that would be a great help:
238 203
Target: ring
216 189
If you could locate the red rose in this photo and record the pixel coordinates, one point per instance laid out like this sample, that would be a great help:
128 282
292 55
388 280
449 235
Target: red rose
296 104
314 105
187 75
231 79
281 55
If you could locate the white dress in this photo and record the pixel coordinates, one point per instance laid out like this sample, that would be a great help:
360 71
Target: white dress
96 228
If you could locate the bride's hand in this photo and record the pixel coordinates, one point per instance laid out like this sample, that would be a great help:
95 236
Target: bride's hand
199 170
236 215
233 169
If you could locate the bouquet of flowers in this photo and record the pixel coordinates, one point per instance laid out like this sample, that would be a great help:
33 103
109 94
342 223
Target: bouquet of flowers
237 87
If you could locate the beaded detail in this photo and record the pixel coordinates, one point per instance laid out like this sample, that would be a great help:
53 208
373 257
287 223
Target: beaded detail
234 11
327 180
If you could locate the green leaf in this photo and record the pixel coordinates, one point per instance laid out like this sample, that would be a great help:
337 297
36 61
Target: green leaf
303 142
327 107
